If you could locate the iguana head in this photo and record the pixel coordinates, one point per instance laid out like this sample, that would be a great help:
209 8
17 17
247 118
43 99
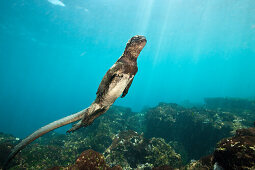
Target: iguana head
135 45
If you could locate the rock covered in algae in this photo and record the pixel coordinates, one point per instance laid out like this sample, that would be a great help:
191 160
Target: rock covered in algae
59 149
164 167
204 163
195 130
100 134
243 109
237 152
89 160
131 150
230 104
192 132
38 156
7 142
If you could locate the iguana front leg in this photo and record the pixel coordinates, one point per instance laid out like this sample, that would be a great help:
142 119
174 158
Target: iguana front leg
127 88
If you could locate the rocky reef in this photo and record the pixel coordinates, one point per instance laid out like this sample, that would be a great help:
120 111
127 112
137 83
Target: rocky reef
193 132
131 150
237 152
230 104
89 160
59 149
168 136
242 108
6 143
204 163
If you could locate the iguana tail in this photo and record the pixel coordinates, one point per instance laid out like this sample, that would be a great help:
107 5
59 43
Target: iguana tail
43 130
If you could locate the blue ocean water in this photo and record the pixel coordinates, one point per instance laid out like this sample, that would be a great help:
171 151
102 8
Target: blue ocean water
53 54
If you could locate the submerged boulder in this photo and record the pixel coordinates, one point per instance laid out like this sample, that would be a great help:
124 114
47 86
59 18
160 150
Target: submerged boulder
100 134
244 109
131 150
168 128
195 131
230 104
204 163
7 142
237 152
60 149
89 160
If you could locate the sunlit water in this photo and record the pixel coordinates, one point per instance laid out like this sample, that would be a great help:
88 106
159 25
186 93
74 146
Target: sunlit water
53 54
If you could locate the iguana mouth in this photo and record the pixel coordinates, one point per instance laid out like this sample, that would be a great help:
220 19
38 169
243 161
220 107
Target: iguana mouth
137 39
135 45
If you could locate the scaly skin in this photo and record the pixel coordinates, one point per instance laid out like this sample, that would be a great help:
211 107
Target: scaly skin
116 81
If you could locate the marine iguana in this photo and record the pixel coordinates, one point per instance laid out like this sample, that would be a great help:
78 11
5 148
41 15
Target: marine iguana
116 81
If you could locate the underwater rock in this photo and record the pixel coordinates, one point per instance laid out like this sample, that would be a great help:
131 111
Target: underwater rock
60 149
7 142
195 130
36 156
131 150
160 153
191 132
49 150
89 160
6 138
103 129
164 167
243 108
119 118
40 157
204 163
5 149
237 152
230 104
125 148
245 132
